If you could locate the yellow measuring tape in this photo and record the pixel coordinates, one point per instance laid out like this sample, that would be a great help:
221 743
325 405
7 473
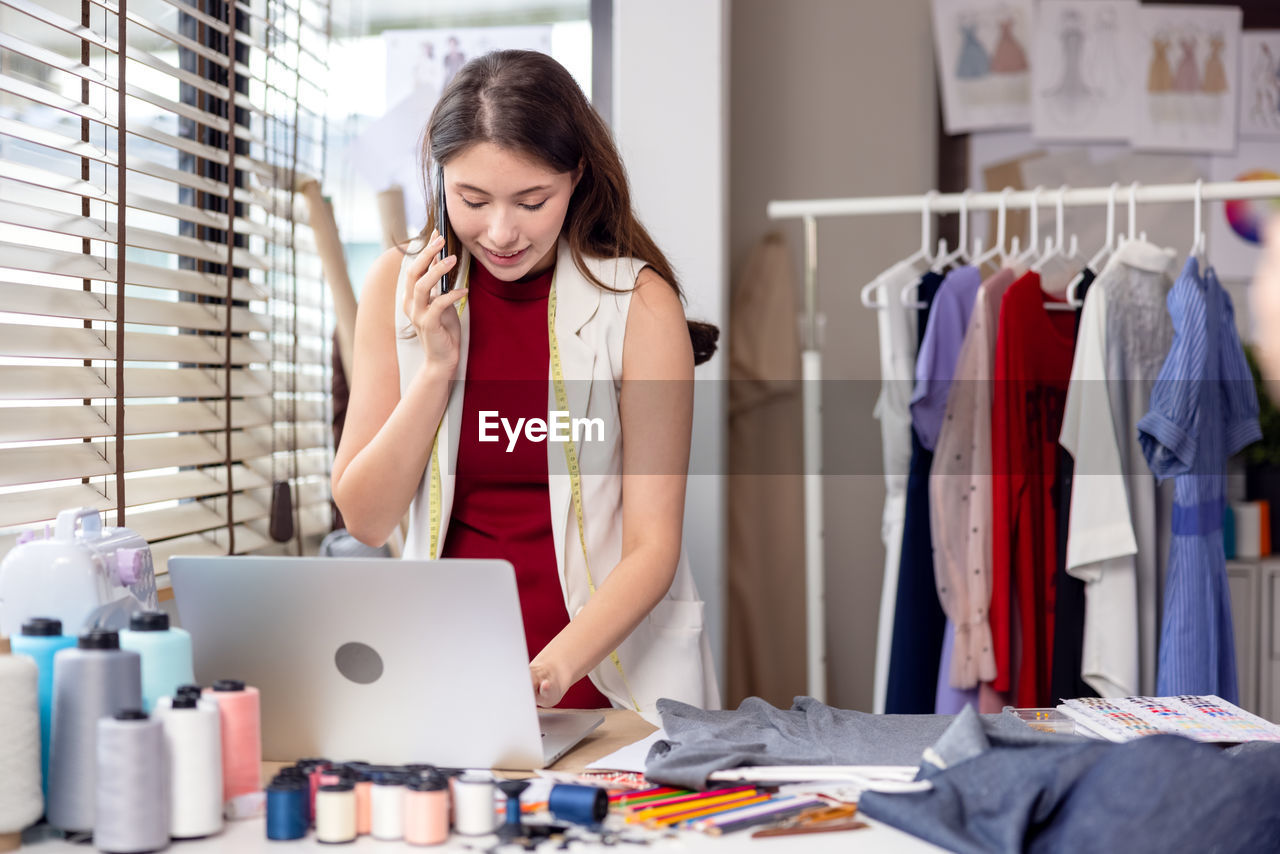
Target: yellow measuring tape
571 460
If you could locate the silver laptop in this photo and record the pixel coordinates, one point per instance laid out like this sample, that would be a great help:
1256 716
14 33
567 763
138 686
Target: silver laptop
372 659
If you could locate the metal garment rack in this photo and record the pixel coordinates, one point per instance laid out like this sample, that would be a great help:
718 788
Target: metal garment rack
810 211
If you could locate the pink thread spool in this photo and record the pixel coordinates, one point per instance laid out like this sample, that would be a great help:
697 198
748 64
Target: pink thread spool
364 803
426 811
239 709
313 768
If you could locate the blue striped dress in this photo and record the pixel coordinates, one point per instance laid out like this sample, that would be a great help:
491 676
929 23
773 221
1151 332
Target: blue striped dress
1203 409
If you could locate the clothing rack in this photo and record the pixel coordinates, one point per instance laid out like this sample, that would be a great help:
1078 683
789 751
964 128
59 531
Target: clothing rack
810 210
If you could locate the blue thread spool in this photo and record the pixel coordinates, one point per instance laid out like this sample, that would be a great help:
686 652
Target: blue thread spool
287 807
578 804
165 651
40 638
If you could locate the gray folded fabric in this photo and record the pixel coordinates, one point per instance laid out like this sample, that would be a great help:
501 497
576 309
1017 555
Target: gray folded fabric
812 733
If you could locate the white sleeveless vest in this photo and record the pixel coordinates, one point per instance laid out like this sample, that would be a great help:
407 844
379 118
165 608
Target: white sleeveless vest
667 655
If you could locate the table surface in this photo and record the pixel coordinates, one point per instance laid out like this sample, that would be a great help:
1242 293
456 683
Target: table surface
620 728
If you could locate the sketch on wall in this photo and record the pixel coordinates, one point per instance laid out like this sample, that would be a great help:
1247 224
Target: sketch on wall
1080 74
981 53
1187 93
420 63
1260 84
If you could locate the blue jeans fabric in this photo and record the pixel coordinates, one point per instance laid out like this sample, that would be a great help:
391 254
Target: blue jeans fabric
1158 794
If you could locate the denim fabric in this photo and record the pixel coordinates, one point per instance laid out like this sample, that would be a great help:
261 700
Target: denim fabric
809 733
1156 794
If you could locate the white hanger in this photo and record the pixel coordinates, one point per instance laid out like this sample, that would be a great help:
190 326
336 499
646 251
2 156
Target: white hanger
1053 246
997 249
1133 217
1106 249
921 254
941 259
1198 241
1033 245
960 254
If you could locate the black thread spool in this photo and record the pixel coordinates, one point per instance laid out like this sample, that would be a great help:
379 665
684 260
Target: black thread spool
512 789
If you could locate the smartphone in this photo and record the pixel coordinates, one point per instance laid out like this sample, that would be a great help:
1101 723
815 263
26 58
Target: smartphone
442 226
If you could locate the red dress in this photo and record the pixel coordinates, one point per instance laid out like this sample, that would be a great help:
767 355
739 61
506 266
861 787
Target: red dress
1034 349
501 507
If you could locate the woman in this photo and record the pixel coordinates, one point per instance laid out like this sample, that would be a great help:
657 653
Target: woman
557 280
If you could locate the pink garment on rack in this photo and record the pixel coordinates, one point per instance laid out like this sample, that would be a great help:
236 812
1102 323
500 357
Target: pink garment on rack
960 492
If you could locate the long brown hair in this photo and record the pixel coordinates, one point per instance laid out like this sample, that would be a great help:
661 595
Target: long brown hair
526 102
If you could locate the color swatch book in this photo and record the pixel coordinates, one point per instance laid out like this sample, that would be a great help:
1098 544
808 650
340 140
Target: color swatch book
1202 718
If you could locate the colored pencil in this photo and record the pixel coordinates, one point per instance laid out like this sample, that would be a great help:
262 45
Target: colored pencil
753 816
644 794
684 805
689 797
680 818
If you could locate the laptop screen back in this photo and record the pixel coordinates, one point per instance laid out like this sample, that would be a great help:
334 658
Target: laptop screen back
387 661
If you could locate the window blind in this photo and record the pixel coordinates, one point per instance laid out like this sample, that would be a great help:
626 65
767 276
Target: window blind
164 327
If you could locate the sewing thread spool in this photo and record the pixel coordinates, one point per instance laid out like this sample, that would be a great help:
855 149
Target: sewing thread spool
336 813
287 808
20 800
92 680
238 706
165 651
386 802
312 768
512 826
132 789
40 638
426 810
473 813
193 738
364 801
578 804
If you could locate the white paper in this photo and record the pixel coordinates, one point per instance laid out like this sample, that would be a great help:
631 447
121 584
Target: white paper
982 62
1081 66
1187 89
1260 84
629 758
849 779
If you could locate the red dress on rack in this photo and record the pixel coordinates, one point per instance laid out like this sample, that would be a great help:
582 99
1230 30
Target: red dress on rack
1034 349
501 507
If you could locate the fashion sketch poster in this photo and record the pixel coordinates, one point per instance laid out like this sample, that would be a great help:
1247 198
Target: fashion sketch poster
983 66
1081 68
1188 92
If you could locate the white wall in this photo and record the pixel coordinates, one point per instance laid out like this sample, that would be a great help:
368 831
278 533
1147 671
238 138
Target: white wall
834 98
669 118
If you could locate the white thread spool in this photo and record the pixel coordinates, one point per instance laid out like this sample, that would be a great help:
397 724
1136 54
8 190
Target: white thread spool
473 808
132 801
20 800
336 813
194 743
387 803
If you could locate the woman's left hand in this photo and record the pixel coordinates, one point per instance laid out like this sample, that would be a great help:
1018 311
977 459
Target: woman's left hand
547 687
